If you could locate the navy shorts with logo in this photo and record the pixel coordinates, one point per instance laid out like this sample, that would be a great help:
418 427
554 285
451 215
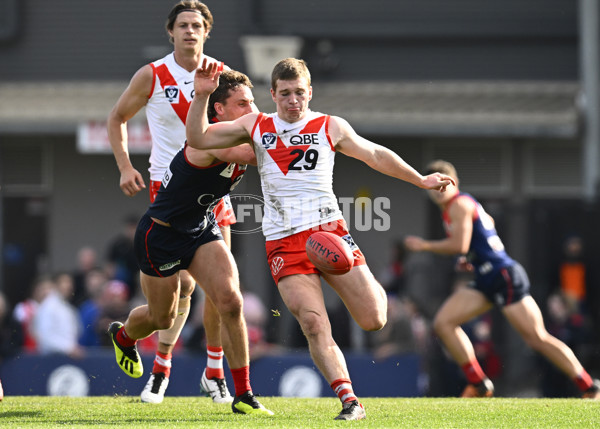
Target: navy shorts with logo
161 251
507 286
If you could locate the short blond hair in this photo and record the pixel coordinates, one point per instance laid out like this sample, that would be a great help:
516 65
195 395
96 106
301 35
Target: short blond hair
444 167
289 69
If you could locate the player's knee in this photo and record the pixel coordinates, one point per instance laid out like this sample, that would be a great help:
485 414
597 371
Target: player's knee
440 325
187 289
374 322
312 323
229 303
535 339
163 321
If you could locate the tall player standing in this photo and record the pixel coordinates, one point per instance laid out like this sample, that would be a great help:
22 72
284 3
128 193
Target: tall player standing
165 87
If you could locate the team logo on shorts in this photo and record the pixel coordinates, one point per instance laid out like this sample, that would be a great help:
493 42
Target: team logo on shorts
268 139
172 93
169 265
277 265
348 239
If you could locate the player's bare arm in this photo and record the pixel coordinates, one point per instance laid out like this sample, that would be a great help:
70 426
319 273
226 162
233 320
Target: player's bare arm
459 238
380 158
202 135
131 101
243 154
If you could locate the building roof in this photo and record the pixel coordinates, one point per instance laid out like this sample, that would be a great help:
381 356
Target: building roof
502 109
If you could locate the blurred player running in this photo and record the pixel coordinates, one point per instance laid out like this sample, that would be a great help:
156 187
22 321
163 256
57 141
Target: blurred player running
499 280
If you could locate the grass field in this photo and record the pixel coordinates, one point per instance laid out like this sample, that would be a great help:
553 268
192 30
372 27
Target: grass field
199 412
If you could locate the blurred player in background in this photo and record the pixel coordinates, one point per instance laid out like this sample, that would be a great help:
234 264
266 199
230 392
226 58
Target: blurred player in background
165 88
179 231
499 280
295 149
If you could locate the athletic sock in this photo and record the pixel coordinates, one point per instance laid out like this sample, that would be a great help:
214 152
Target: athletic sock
473 372
343 389
214 362
583 380
162 363
123 339
241 380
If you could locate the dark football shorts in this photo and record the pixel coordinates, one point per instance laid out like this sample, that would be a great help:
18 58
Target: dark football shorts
506 287
161 251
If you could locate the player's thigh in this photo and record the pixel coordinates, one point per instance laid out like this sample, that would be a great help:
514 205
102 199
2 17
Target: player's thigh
360 291
463 305
526 317
214 268
162 293
302 294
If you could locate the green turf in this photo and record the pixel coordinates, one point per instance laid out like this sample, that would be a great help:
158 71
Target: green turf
200 412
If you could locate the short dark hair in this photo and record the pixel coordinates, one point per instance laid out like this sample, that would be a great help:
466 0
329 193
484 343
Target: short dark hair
229 79
189 5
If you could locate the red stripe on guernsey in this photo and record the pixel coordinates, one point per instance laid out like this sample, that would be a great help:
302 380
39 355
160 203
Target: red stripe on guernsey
313 126
281 154
327 133
259 119
165 78
446 215
148 252
510 287
153 80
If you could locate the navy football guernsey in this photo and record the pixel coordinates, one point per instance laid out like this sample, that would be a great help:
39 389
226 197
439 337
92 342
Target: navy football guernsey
188 192
486 250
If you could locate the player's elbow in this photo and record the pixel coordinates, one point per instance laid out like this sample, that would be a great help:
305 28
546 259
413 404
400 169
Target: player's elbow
194 142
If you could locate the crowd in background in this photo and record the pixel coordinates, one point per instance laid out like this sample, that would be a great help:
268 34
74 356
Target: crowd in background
68 312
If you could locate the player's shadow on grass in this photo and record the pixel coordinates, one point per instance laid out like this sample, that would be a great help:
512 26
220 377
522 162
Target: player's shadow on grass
7 414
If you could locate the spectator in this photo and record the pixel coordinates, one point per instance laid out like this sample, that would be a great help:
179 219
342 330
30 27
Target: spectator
392 278
87 260
24 311
91 308
56 324
114 305
396 337
569 326
572 272
121 262
11 334
256 317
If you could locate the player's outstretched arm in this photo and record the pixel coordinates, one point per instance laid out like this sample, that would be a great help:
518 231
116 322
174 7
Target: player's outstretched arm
380 158
202 135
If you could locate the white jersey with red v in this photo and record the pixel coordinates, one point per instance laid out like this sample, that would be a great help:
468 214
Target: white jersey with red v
166 111
295 162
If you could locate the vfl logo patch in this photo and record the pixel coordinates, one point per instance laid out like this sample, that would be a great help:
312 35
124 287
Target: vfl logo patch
277 264
167 177
268 140
172 93
348 239
169 265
